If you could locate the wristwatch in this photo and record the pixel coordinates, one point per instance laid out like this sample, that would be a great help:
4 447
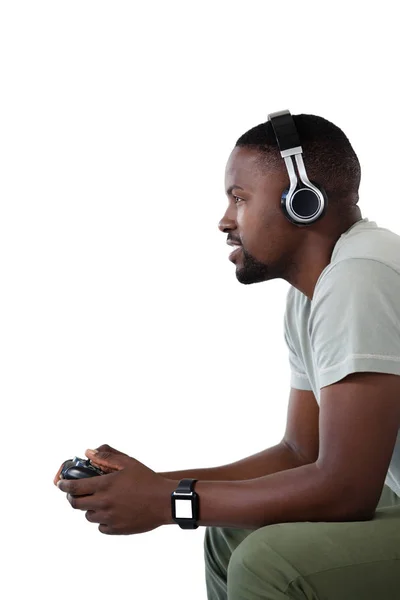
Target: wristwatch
185 504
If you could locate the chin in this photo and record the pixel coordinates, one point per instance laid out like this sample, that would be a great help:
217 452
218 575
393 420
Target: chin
247 277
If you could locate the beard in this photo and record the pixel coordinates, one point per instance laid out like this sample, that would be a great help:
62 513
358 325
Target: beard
250 270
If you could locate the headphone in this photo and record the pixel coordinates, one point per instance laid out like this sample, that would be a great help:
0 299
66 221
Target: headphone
304 202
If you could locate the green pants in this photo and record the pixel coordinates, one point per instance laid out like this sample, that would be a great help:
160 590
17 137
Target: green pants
357 560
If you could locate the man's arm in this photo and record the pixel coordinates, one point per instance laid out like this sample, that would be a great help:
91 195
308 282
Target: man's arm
298 447
359 421
273 459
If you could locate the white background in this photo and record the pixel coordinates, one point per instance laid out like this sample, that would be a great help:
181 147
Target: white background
122 321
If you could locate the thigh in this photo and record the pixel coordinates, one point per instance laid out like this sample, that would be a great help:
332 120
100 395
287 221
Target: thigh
321 560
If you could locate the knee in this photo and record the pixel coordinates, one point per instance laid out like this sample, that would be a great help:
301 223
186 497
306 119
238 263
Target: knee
256 566
259 544
250 553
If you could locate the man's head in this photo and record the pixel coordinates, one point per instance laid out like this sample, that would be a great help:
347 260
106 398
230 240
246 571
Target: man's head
271 246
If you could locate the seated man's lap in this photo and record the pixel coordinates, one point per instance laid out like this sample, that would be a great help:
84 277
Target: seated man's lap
355 556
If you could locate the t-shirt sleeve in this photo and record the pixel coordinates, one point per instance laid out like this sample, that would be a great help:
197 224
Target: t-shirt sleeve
354 321
298 376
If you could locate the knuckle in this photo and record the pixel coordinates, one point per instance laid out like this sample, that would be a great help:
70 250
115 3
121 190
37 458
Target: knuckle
104 504
72 488
109 515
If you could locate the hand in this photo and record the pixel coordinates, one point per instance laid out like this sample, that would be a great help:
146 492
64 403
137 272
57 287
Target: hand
130 499
105 468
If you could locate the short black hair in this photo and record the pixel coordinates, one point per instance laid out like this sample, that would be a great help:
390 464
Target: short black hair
328 156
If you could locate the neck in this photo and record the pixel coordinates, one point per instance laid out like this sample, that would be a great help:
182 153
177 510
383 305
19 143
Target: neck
316 252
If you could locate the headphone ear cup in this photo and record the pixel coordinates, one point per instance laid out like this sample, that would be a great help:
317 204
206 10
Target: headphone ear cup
306 202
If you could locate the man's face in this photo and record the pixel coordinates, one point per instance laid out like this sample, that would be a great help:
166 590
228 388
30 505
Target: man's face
255 219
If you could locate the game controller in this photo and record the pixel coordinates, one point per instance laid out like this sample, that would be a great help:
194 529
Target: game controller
78 468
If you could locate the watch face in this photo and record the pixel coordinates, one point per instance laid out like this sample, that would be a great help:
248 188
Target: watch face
183 509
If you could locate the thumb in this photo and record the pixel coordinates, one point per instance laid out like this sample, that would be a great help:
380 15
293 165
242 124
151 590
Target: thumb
107 457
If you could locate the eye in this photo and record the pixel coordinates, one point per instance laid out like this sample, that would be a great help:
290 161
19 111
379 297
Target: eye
237 198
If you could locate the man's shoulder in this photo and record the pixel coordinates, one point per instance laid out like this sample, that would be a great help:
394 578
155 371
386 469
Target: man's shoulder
358 269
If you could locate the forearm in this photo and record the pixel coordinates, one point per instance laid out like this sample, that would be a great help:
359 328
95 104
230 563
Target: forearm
274 459
299 494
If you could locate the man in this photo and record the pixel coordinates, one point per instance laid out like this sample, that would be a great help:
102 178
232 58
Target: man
318 515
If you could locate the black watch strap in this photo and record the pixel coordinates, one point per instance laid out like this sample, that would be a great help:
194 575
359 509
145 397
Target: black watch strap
185 486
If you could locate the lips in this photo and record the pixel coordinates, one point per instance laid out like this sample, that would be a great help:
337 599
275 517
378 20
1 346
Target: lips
235 252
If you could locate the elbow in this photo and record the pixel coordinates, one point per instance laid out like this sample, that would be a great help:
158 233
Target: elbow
347 513
351 506
345 503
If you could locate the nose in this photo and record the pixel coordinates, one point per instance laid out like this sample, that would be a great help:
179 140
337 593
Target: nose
227 223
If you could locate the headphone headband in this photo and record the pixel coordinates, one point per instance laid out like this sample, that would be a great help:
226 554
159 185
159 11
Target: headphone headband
285 130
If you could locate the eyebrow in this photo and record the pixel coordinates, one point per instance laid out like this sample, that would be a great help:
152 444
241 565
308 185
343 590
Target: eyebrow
232 187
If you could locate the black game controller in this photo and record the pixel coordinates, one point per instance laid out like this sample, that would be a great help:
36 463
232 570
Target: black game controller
78 468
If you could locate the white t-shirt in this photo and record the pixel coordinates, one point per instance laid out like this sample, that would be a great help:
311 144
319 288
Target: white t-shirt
352 324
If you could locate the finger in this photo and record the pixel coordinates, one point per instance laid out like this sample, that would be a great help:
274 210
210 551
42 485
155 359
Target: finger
105 468
106 458
104 528
80 487
92 502
96 516
57 477
107 448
